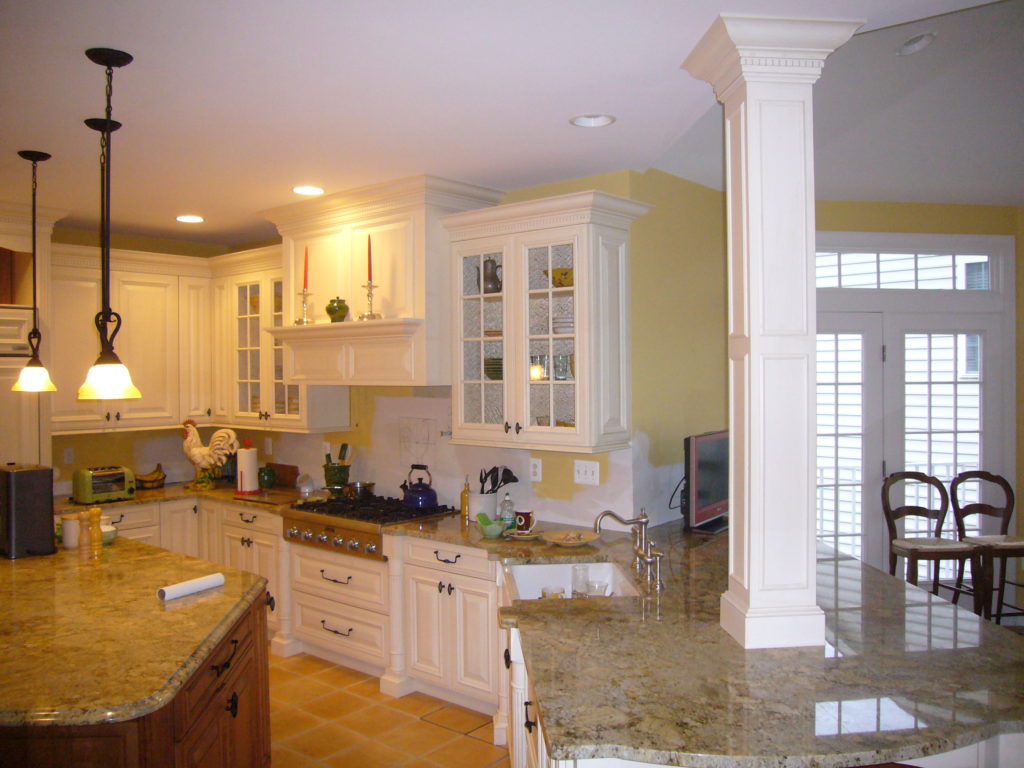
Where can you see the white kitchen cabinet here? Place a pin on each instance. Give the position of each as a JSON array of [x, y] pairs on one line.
[[250, 540], [147, 344], [451, 630], [541, 323], [179, 526], [252, 375], [140, 522], [196, 338]]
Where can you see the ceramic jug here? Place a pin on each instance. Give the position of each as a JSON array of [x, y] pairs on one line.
[[492, 276], [337, 309]]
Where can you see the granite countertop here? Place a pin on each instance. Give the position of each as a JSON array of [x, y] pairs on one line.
[[89, 641], [276, 500], [904, 674]]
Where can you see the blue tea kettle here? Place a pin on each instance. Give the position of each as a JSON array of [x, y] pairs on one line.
[[419, 495]]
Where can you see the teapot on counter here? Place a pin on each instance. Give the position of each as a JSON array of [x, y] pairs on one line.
[[419, 495]]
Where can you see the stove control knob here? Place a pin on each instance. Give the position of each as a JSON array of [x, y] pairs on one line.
[[353, 545], [339, 541], [371, 549], [307, 535], [323, 538], [292, 533]]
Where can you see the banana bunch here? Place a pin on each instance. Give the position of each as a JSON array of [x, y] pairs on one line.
[[154, 479]]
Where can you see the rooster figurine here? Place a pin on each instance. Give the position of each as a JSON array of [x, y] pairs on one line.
[[223, 443]]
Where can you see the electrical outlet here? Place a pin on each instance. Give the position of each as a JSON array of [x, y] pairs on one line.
[[535, 470], [587, 472], [69, 455], [268, 446]]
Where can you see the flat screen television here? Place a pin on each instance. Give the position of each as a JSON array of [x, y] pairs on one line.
[[705, 496]]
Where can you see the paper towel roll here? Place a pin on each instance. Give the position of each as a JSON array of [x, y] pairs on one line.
[[248, 480], [190, 587]]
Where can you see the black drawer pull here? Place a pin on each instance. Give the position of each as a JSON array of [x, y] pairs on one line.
[[271, 602], [451, 588], [223, 667], [508, 659], [444, 560], [507, 427], [325, 577], [323, 623], [232, 706], [528, 722], [440, 587], [115, 522], [519, 427], [251, 520], [195, 509]]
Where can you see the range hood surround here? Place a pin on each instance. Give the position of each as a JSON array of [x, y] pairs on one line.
[[410, 346]]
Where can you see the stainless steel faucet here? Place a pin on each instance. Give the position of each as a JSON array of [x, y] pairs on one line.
[[646, 559]]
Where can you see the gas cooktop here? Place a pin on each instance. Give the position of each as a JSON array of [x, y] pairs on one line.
[[373, 509]]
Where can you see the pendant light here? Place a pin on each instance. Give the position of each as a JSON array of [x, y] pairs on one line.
[[108, 379], [34, 377]]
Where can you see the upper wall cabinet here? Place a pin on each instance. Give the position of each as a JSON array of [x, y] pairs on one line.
[[410, 344], [541, 323], [249, 364]]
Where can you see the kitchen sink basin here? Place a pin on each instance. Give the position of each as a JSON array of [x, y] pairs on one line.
[[527, 582]]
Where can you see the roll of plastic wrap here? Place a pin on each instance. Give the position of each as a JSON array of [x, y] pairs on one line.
[[247, 479], [182, 588]]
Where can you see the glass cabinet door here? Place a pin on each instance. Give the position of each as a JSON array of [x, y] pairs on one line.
[[247, 347], [286, 396], [483, 339], [550, 369]]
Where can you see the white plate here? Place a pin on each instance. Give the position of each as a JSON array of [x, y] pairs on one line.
[[569, 538]]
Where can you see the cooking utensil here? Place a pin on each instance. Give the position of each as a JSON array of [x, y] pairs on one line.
[[419, 495], [358, 490], [491, 476], [507, 477]]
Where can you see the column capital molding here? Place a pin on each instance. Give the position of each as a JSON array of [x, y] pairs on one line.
[[756, 49]]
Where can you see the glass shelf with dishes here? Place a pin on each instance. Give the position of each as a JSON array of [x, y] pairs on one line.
[[552, 339], [483, 348]]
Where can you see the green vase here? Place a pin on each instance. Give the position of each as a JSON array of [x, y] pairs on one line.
[[337, 309], [266, 476]]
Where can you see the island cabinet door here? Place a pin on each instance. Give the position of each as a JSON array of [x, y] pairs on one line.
[[424, 623]]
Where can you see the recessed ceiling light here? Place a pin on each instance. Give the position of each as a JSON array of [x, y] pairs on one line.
[[190, 219], [592, 121], [916, 43], [307, 190]]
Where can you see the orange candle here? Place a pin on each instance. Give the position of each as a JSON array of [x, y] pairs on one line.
[[305, 271], [369, 260]]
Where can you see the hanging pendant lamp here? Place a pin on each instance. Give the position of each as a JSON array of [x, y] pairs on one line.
[[108, 379], [34, 377]]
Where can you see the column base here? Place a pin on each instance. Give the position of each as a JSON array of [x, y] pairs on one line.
[[396, 686], [788, 627]]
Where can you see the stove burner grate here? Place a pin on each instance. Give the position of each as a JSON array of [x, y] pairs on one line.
[[375, 509]]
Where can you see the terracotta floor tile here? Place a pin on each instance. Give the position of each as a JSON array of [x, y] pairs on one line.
[[369, 754], [282, 757], [485, 732], [503, 763], [370, 689], [417, 762], [465, 752], [304, 664], [374, 720], [324, 741], [419, 737], [300, 690], [335, 705], [290, 721], [417, 704], [279, 675], [341, 677], [457, 718]]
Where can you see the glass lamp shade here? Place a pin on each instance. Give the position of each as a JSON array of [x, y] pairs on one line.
[[34, 378], [108, 379]]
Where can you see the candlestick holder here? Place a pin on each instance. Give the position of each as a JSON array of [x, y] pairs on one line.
[[305, 319], [369, 314]]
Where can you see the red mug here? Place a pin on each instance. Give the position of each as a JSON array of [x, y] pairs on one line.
[[524, 521]]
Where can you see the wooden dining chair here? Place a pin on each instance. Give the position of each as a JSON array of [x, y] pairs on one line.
[[999, 547], [933, 548]]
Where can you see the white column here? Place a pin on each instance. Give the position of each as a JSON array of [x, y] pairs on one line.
[[762, 70]]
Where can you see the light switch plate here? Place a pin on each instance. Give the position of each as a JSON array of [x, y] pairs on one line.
[[535, 470], [587, 472], [268, 446]]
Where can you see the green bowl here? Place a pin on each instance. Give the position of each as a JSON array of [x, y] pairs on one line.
[[109, 534], [492, 531]]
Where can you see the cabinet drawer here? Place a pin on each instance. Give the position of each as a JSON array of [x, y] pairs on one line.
[[252, 519], [341, 578], [465, 560], [343, 629], [212, 675], [126, 518]]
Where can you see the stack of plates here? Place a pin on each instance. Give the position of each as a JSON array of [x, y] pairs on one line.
[[493, 368], [562, 324]]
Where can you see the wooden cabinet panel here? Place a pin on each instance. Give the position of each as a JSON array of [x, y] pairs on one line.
[[343, 578], [179, 526], [340, 628], [475, 626], [424, 623]]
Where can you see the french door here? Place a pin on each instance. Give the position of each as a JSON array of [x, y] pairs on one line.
[[916, 391]]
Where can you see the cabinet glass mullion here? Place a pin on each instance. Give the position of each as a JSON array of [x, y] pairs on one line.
[[483, 347], [247, 347], [551, 352]]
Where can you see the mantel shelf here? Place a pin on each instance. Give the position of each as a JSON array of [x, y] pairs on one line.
[[372, 352]]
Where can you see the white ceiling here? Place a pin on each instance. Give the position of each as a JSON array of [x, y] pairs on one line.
[[230, 103]]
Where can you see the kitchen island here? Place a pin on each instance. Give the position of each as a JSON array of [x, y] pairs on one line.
[[656, 680], [98, 670]]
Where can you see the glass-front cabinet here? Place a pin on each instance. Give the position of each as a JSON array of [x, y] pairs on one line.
[[542, 325]]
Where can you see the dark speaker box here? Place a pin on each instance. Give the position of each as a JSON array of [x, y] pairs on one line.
[[26, 511]]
